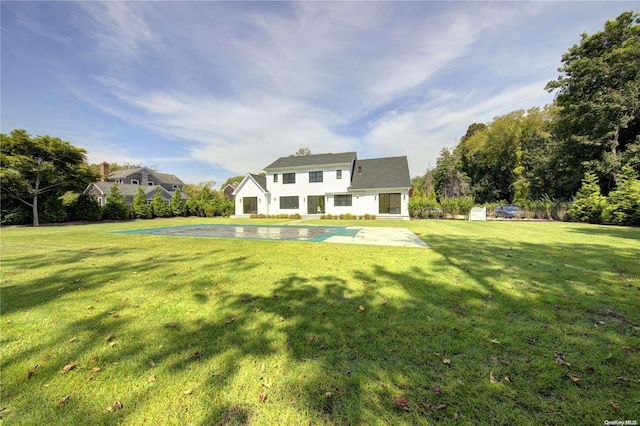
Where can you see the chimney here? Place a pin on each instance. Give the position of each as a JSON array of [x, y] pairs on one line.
[[104, 171]]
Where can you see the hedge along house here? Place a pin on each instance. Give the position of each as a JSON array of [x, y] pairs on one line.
[[328, 184]]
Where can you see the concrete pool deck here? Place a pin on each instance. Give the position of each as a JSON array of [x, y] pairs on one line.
[[397, 237]]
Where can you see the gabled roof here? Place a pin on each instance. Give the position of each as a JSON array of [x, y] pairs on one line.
[[312, 160], [162, 177], [389, 172], [261, 181], [232, 185]]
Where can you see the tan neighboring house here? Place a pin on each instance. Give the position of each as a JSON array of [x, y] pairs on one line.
[[129, 180]]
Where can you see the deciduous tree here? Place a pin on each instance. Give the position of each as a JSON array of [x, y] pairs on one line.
[[33, 166], [598, 93]]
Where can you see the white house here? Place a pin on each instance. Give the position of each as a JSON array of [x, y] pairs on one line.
[[327, 184]]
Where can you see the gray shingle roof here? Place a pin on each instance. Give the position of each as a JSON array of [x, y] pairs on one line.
[[163, 177], [312, 160], [128, 190], [260, 180], [390, 172]]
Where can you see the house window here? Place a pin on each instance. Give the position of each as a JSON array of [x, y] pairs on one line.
[[315, 177], [342, 200], [99, 201], [338, 174], [288, 178], [275, 177], [150, 183], [135, 182], [174, 186], [390, 203], [359, 170], [287, 203]]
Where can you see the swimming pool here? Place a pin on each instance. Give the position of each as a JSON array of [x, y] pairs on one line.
[[260, 232]]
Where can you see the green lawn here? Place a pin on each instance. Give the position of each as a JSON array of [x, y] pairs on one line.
[[498, 323]]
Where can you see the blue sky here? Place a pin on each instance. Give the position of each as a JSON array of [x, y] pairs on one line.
[[209, 90]]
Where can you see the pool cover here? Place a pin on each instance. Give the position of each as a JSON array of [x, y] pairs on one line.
[[260, 232]]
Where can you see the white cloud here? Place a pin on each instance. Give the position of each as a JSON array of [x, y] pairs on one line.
[[421, 133]]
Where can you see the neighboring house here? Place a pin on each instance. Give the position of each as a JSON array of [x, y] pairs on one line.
[[129, 180], [229, 189], [328, 184]]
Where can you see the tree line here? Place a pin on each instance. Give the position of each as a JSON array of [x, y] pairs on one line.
[[42, 180], [588, 138]]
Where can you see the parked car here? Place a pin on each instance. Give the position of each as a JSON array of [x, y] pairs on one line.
[[508, 212]]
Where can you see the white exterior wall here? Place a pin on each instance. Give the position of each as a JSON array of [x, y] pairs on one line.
[[303, 188], [250, 189], [363, 201]]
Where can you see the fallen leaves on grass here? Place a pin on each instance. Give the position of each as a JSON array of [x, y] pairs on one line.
[[171, 325], [31, 371], [495, 341], [113, 343], [497, 360], [361, 307], [188, 392], [614, 404], [442, 406], [560, 359], [436, 389], [384, 302], [46, 358], [96, 369], [328, 395], [573, 377], [262, 397], [230, 320], [68, 367], [620, 378], [73, 339], [402, 403], [492, 378], [197, 355], [152, 378], [109, 336], [64, 399], [446, 361], [627, 348]]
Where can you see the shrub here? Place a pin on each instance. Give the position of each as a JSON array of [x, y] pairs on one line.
[[15, 214], [139, 208], [367, 216], [178, 206], [588, 203], [623, 204], [84, 207], [329, 216], [115, 207]]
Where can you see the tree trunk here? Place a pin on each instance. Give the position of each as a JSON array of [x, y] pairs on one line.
[[34, 205], [34, 209]]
